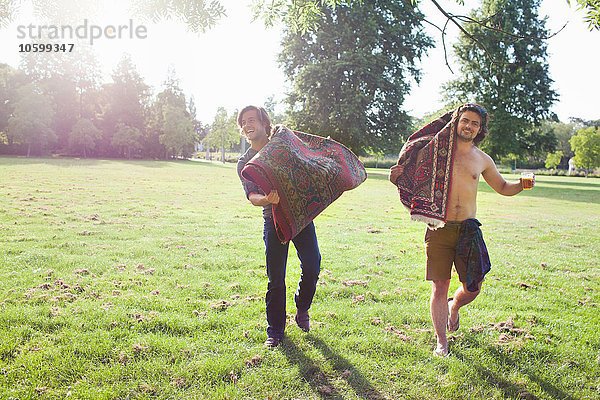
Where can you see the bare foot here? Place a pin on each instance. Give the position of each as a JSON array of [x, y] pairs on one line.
[[441, 351], [453, 317]]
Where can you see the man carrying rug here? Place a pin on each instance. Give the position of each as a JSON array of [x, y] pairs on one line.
[[437, 176], [255, 125]]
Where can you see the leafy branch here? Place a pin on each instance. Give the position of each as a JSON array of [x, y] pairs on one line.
[[592, 12], [459, 20]]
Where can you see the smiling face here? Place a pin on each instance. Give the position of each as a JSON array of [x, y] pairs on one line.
[[468, 125], [252, 128]]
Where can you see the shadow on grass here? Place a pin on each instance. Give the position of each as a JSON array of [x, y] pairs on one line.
[[555, 193], [320, 383], [510, 389], [558, 190], [79, 162], [83, 162], [57, 161], [380, 175], [165, 163], [588, 183]]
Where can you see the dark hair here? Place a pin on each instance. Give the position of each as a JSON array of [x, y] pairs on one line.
[[263, 117], [483, 114]]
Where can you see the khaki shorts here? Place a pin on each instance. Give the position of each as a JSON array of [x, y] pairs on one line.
[[440, 247]]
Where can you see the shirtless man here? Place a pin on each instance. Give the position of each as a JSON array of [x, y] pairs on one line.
[[469, 163]]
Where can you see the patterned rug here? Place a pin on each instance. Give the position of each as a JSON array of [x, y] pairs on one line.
[[309, 173], [425, 181]]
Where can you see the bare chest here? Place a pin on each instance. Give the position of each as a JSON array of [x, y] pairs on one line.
[[463, 194], [466, 171]]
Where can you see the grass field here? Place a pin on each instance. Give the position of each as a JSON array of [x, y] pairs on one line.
[[139, 280]]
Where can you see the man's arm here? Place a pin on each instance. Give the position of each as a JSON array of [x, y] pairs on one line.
[[252, 190], [497, 182], [395, 173], [258, 199]]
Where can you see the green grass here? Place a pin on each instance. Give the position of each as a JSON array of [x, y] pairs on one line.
[[136, 280]]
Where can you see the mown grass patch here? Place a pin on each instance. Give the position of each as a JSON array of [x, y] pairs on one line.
[[146, 280]]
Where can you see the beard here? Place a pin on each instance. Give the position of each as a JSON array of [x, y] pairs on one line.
[[467, 136]]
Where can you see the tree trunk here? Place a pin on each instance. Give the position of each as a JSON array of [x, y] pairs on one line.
[[81, 106], [28, 149]]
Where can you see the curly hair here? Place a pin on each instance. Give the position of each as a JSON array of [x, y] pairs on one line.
[[483, 114]]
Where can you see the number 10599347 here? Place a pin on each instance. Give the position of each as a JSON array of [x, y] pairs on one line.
[[46, 47]]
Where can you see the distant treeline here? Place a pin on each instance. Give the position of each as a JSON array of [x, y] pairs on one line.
[[58, 107]]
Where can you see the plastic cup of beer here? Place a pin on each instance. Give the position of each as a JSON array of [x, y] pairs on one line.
[[527, 180]]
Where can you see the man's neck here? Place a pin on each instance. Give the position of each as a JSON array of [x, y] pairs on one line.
[[464, 146], [259, 143]]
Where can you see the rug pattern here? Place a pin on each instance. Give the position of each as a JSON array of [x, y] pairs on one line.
[[309, 172], [427, 158]]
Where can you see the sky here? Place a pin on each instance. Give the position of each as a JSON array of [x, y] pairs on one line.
[[235, 63]]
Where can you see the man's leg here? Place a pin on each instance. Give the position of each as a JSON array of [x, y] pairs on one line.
[[462, 297], [307, 248], [276, 254], [439, 314], [440, 249]]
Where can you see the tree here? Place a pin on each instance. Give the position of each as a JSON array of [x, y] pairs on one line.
[[128, 101], [198, 15], [80, 67], [585, 123], [127, 139], [553, 135], [350, 76], [536, 141], [170, 96], [11, 81], [586, 145], [178, 132], [553, 159], [270, 106], [563, 133], [67, 77], [85, 72], [31, 120], [511, 78], [302, 15], [63, 78], [191, 108], [6, 72], [223, 132], [61, 91], [84, 136]]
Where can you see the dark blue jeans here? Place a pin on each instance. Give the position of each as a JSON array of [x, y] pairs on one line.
[[307, 249]]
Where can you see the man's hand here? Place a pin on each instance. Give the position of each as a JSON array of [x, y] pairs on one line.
[[273, 197], [533, 182], [527, 182], [395, 173], [262, 200]]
